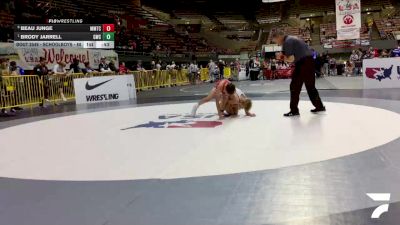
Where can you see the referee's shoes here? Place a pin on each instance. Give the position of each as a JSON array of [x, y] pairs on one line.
[[316, 110]]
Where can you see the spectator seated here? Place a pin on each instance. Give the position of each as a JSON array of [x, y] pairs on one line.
[[328, 33], [304, 34], [387, 27]]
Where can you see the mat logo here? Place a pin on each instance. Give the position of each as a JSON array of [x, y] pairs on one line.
[[379, 73], [181, 121], [380, 197]]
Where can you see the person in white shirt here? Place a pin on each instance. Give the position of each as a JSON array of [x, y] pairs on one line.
[[60, 72], [193, 70], [211, 68], [254, 69], [172, 66], [59, 68], [332, 67], [354, 60], [158, 65]]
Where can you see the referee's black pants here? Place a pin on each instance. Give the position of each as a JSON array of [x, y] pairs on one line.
[[304, 72]]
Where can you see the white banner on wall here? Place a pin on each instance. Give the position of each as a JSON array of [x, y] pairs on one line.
[[348, 34], [104, 89], [28, 58], [381, 73], [272, 48], [348, 19], [228, 56]]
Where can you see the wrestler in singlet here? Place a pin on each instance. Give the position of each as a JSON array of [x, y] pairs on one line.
[[220, 92], [221, 85]]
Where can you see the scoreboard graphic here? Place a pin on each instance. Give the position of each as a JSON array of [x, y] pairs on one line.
[[94, 36]]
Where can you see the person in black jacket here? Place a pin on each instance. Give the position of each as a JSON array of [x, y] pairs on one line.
[[3, 72], [41, 68], [75, 66], [42, 71], [112, 67], [221, 66]]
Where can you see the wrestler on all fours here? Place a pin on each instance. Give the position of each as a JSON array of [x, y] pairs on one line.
[[236, 102], [228, 100], [220, 93]]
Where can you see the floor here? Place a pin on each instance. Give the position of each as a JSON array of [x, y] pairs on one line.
[[128, 163]]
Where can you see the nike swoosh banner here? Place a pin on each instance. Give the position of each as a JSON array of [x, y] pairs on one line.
[[348, 19], [104, 89]]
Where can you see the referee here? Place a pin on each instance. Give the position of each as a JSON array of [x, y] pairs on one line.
[[297, 51]]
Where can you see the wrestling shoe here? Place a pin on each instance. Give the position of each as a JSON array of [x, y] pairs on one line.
[[194, 110], [316, 110], [291, 114]]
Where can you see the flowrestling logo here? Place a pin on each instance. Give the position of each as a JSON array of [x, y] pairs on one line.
[[381, 73], [380, 197], [181, 121]]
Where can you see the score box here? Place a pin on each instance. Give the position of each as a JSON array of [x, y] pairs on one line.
[[105, 44], [108, 36], [108, 28]]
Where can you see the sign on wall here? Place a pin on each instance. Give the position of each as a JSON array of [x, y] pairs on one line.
[[272, 48], [28, 58], [104, 89], [346, 44], [348, 19], [381, 73]]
